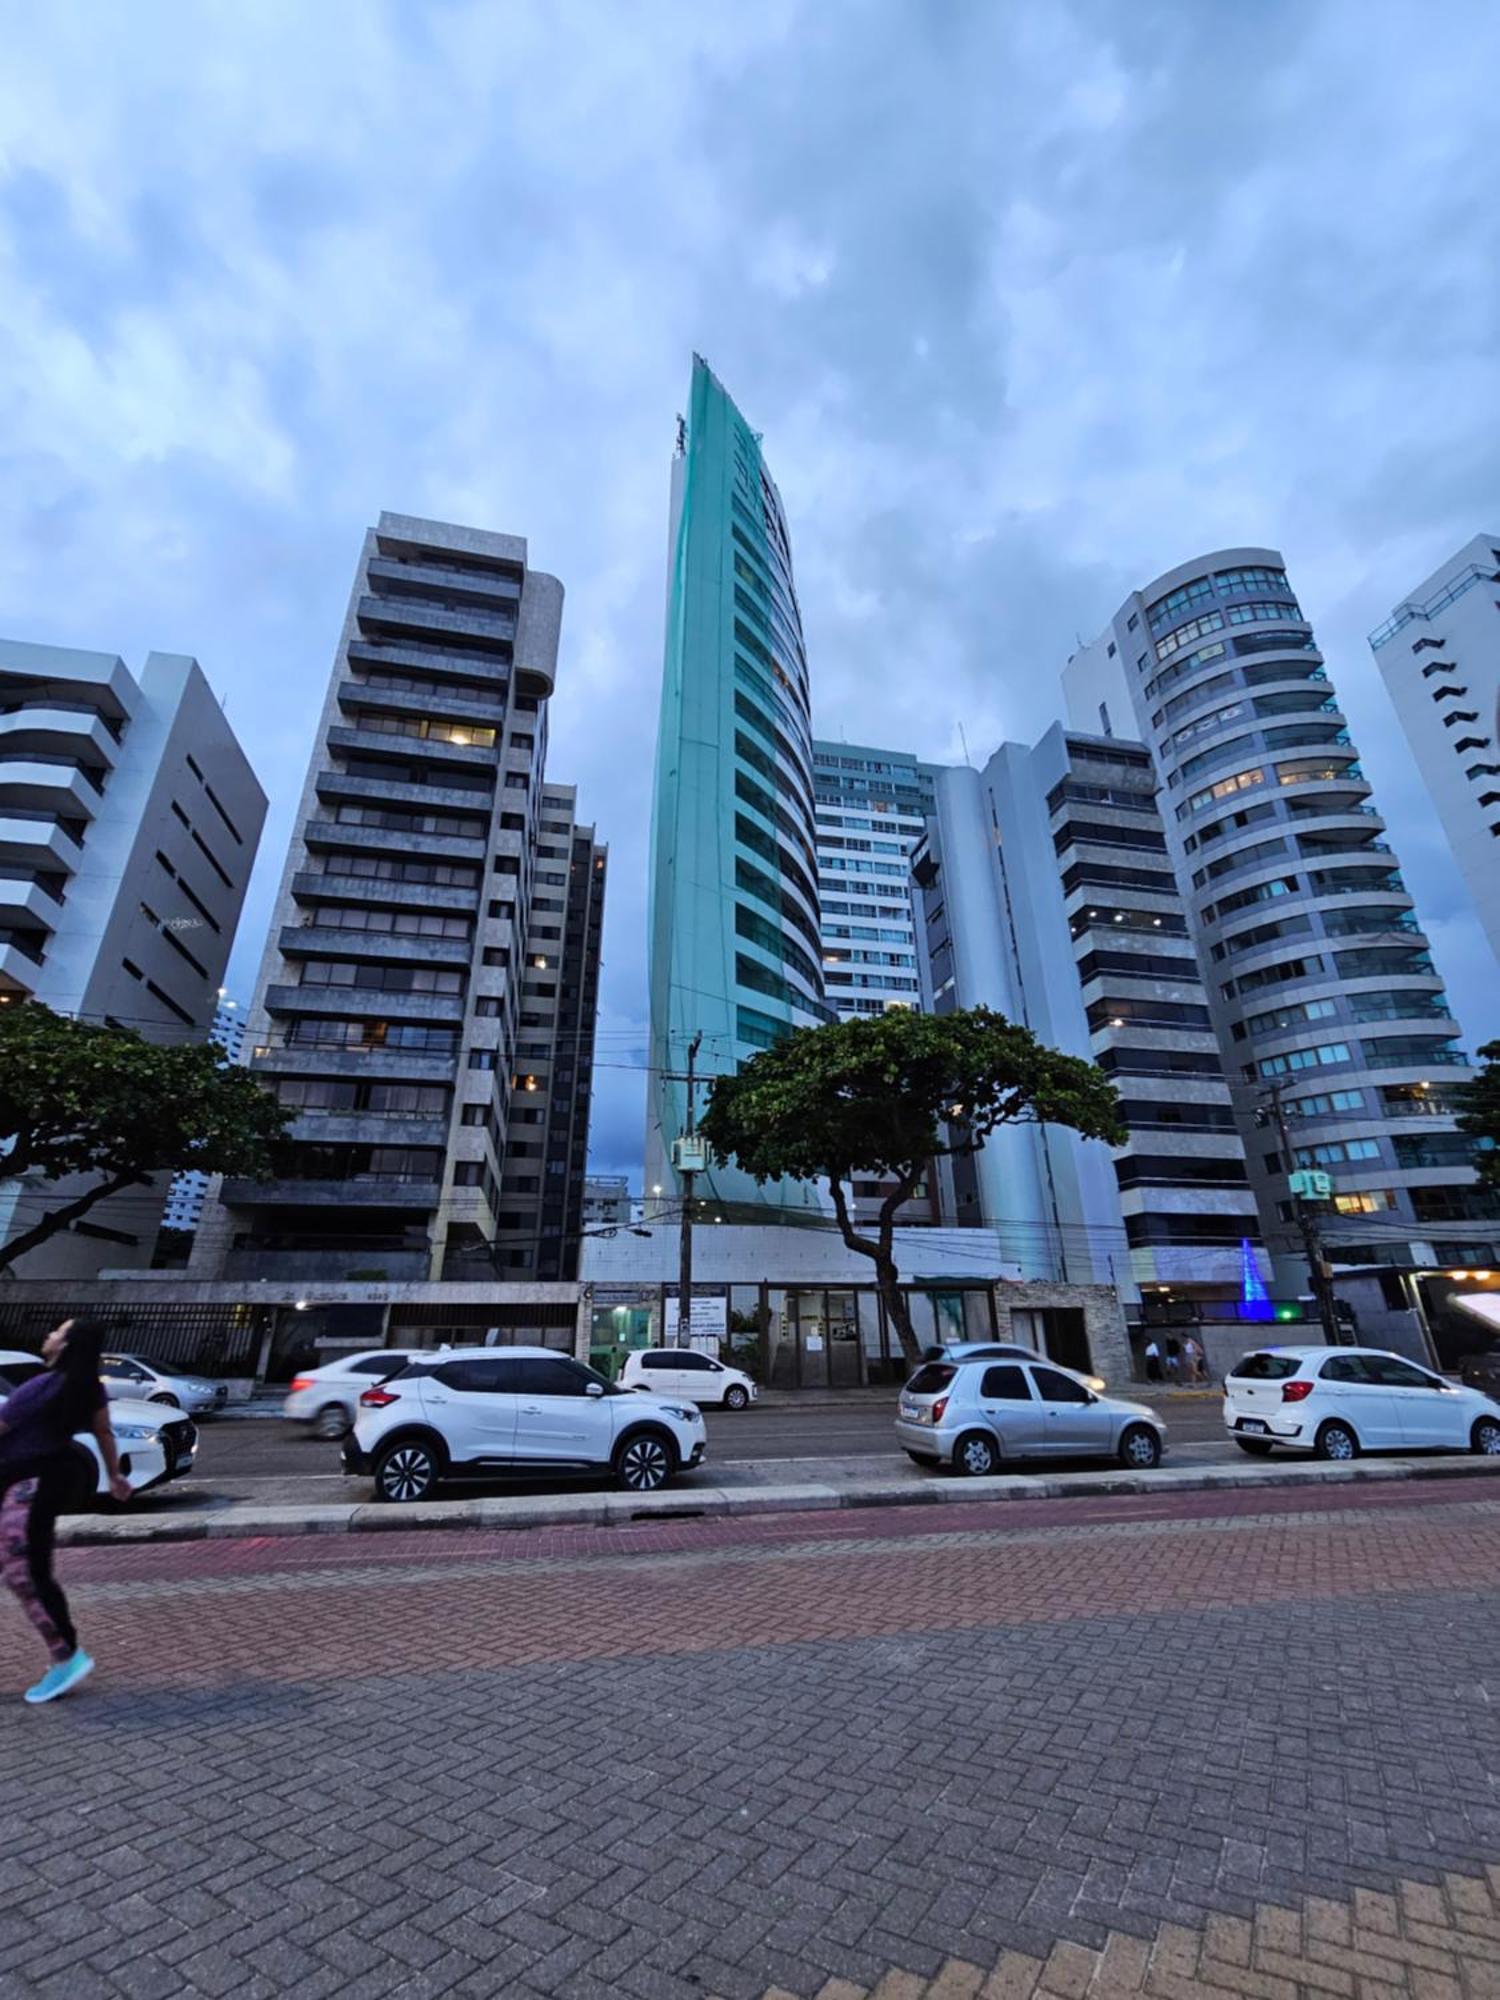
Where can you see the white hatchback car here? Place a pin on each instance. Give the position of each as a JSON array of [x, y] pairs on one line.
[[327, 1398], [681, 1371], [143, 1382], [472, 1412], [1336, 1402], [155, 1444]]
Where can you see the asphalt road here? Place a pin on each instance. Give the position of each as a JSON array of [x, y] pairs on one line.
[[277, 1463]]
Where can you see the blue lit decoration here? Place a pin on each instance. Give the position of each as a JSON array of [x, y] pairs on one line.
[[1255, 1300]]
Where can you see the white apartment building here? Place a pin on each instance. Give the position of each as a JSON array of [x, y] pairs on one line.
[[1439, 656]]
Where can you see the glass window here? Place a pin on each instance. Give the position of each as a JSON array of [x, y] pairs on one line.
[[1266, 1367], [1393, 1373], [559, 1377], [1345, 1368], [1054, 1387], [1005, 1385], [480, 1376], [378, 1364], [930, 1379]]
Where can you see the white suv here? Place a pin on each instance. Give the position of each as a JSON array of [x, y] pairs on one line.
[[470, 1412], [681, 1371], [1339, 1401]]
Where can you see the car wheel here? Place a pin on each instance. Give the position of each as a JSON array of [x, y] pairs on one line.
[[1336, 1441], [644, 1462], [165, 1396], [1140, 1448], [1257, 1447], [332, 1421], [735, 1397], [976, 1455], [1485, 1437], [407, 1470]]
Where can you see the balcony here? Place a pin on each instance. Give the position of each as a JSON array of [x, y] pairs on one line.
[[308, 886], [27, 906], [61, 732], [484, 707], [373, 1065], [328, 1266], [356, 1193], [374, 1002], [327, 834], [411, 618], [368, 1128], [352, 742], [482, 587], [392, 791], [331, 941], [442, 664], [40, 786]]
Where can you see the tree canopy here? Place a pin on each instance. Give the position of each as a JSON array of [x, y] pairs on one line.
[[886, 1096], [80, 1100], [1479, 1116]]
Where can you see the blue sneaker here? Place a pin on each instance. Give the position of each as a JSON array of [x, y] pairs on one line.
[[57, 1680]]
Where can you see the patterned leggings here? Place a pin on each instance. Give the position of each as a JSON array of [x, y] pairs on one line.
[[27, 1519]]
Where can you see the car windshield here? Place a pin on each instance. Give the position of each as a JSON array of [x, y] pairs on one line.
[[1267, 1367], [930, 1379]]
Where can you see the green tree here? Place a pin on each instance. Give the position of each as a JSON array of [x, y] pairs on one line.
[[1479, 1115], [888, 1095], [80, 1101]]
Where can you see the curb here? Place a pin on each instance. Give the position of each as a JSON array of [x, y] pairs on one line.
[[619, 1510]]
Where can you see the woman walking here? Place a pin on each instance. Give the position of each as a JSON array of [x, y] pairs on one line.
[[37, 1422]]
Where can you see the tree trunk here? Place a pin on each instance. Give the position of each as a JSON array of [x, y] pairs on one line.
[[59, 1219], [879, 1249]]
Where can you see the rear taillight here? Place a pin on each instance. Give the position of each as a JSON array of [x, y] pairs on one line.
[[938, 1408], [302, 1382], [379, 1398], [1293, 1392]]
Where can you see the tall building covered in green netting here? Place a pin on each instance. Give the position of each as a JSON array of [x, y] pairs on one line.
[[736, 950]]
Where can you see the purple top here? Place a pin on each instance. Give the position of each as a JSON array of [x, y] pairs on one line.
[[36, 1423]]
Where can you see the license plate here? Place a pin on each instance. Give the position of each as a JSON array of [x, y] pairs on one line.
[[1251, 1424], [913, 1413]]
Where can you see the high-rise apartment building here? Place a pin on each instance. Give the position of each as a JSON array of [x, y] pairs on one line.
[[1439, 655], [189, 1191], [425, 1002], [872, 808], [1047, 894], [736, 948], [129, 821], [1318, 977]]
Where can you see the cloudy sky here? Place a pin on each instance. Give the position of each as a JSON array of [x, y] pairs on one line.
[[1031, 301]]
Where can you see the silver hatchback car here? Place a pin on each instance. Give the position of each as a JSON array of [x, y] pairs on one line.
[[975, 1414]]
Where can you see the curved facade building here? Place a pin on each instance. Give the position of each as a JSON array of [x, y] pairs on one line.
[[1318, 974], [736, 949]]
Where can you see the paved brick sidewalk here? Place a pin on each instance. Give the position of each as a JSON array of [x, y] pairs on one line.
[[1222, 1746]]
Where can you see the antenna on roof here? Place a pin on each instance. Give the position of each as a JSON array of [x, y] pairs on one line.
[[965, 742]]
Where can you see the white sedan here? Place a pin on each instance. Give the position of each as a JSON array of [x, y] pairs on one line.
[[155, 1444], [1336, 1402], [682, 1371], [143, 1382]]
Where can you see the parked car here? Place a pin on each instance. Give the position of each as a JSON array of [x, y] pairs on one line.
[[472, 1412], [155, 1443], [681, 1371], [974, 1413], [327, 1398], [1336, 1402], [127, 1375], [991, 1350]]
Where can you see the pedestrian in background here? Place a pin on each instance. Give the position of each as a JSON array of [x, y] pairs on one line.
[[37, 1423], [1153, 1360]]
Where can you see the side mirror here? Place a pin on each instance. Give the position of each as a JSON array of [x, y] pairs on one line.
[[593, 1388]]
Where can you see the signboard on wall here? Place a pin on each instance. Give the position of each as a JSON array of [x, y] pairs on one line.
[[708, 1321]]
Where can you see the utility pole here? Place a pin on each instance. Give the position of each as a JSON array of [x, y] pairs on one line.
[[1307, 1224], [685, 1271]]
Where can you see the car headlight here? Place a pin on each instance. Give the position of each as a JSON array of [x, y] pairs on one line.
[[689, 1413], [135, 1433]]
